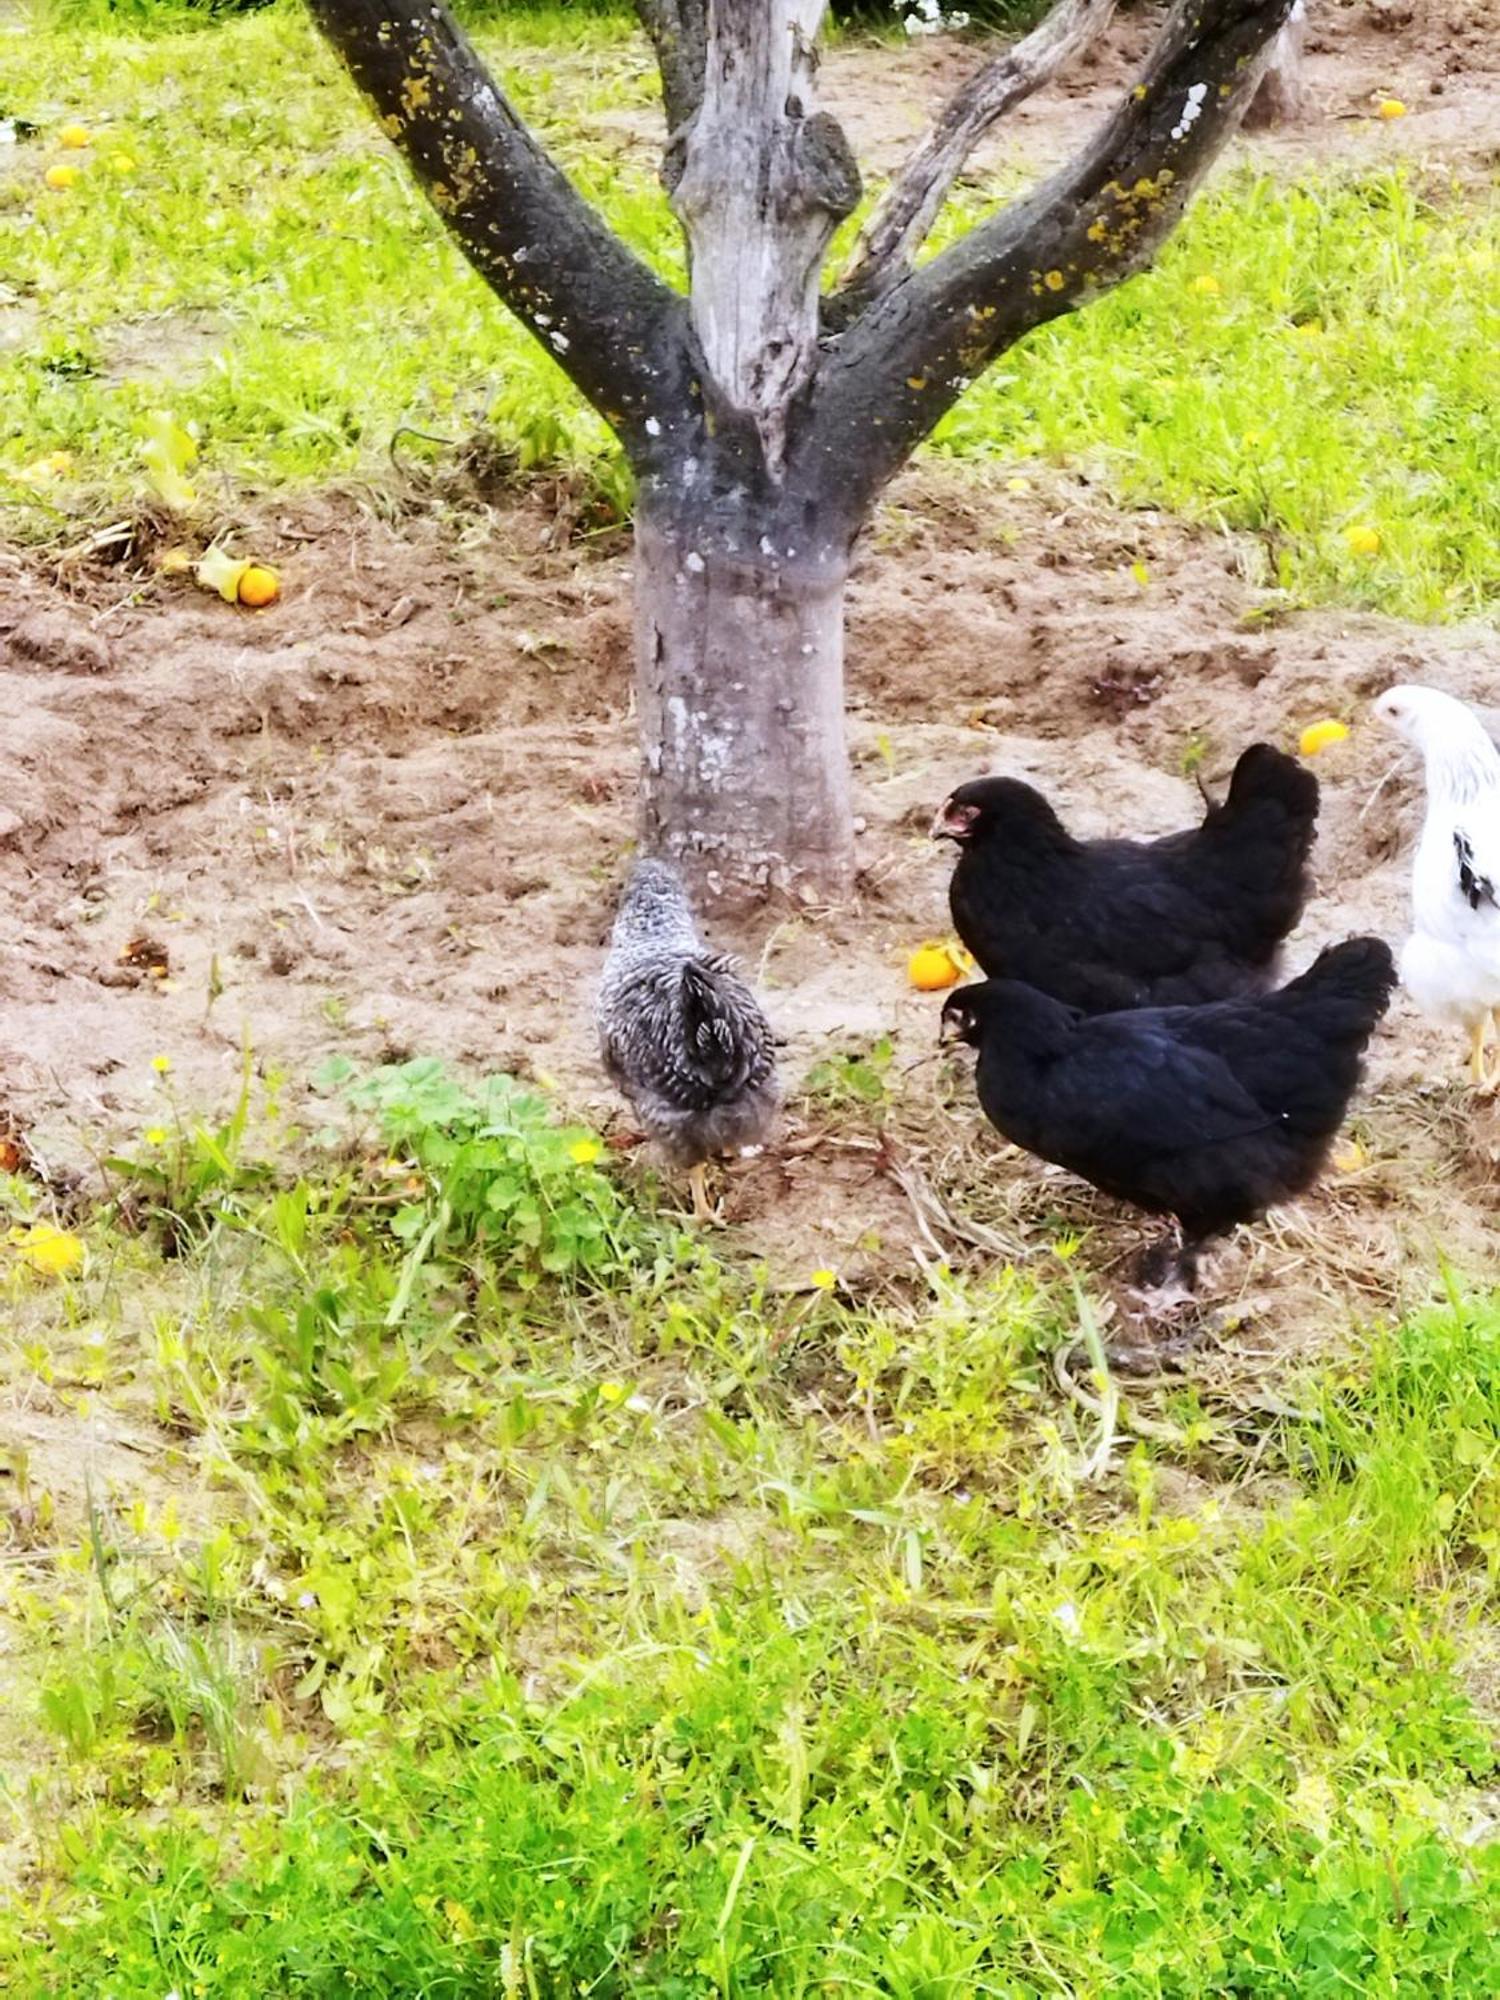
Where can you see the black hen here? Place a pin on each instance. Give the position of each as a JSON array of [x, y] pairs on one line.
[[1209, 1114], [680, 1032], [1106, 924]]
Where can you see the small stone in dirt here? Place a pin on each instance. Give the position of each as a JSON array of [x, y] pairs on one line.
[[53, 639], [282, 958], [147, 954], [1120, 692]]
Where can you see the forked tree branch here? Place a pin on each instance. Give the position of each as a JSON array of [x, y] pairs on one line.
[[620, 333], [909, 207], [887, 381], [679, 35]]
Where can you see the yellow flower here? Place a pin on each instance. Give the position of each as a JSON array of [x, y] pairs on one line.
[[1318, 735], [162, 1065], [1018, 484], [76, 136], [1141, 574], [612, 1392], [584, 1152], [52, 1252], [121, 163], [1206, 282], [825, 1280], [156, 1135], [1363, 540], [1392, 107], [60, 177]]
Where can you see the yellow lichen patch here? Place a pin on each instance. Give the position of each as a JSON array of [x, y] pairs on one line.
[[916, 381], [1054, 281], [416, 95], [1139, 93], [463, 163], [1097, 231]]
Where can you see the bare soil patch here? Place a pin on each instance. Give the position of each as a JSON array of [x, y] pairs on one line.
[[1439, 58], [387, 816]]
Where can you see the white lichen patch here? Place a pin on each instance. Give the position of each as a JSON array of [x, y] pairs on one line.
[[1192, 110]]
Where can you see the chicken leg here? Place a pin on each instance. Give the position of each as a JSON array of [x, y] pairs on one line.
[[703, 1208], [1479, 1036]]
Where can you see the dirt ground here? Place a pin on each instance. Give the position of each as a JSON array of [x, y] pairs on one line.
[[386, 816]]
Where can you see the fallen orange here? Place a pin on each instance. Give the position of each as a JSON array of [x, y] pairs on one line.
[[932, 966], [259, 586]]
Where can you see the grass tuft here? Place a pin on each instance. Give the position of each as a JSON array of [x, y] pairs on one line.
[[1311, 364], [502, 1631]]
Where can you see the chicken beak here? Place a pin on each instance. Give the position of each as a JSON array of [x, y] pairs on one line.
[[952, 822]]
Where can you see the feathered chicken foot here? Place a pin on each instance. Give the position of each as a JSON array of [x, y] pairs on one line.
[[1165, 1276]]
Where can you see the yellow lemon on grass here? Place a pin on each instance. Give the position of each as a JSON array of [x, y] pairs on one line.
[[60, 177], [75, 136], [932, 966], [1319, 735], [258, 586], [1363, 540]]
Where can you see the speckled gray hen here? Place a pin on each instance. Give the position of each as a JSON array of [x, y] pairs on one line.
[[681, 1034]]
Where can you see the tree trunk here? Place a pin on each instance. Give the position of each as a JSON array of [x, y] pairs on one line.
[[761, 418], [740, 679]]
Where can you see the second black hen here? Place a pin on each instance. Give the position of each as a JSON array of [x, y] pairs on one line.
[[1209, 1114], [1106, 924]]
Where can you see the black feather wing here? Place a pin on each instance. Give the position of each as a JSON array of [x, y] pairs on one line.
[[1128, 1093], [1474, 885], [1191, 917], [1114, 925], [689, 1032], [727, 1037]]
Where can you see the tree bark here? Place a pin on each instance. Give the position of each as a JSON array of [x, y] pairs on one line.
[[767, 177], [760, 433], [886, 381], [907, 210], [740, 696]]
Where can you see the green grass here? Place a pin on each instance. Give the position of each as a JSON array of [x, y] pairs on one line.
[[542, 1605], [249, 272]]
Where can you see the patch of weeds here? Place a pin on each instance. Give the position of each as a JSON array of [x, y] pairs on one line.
[[489, 1168], [192, 1176], [644, 1629], [853, 1078]]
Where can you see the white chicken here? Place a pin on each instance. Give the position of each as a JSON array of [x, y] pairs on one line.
[[1450, 964]]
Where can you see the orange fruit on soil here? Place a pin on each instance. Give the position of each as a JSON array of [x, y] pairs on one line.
[[259, 586], [931, 967]]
